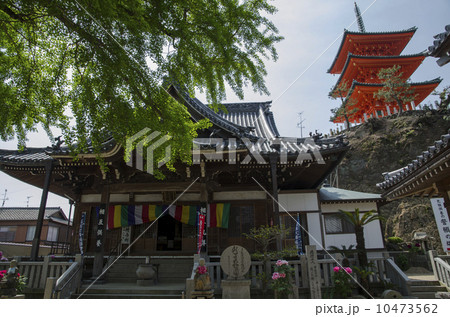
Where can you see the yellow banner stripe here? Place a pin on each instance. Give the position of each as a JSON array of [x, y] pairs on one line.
[[185, 214], [151, 212], [219, 214], [117, 216]]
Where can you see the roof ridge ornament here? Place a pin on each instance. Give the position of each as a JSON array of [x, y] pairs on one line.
[[361, 27]]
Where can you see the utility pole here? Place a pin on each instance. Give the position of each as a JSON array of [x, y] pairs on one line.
[[4, 198], [300, 123]]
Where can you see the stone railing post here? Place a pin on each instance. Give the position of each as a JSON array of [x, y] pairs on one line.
[[431, 255], [44, 271], [49, 287]]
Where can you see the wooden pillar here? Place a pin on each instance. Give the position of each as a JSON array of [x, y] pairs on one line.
[[273, 158], [443, 191], [40, 221], [100, 249]]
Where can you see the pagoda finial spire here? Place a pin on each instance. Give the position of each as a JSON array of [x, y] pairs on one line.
[[359, 19]]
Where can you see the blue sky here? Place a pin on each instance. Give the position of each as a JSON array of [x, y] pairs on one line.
[[313, 32]]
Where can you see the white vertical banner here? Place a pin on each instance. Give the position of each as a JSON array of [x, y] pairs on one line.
[[126, 235], [442, 221]]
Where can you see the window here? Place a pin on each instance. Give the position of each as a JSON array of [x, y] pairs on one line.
[[30, 233], [241, 220], [8, 233], [335, 224], [52, 234]]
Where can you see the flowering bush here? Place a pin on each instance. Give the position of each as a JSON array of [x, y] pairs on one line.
[[342, 282], [17, 281], [281, 279]]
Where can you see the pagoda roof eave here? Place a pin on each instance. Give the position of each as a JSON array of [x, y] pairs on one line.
[[351, 56], [347, 32], [375, 87]]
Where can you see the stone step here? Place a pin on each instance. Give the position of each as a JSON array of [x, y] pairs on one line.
[[130, 291], [434, 289], [426, 283], [424, 295], [128, 296]]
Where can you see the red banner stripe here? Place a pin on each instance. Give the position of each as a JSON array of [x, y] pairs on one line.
[[178, 213], [145, 218], [111, 217], [212, 215]]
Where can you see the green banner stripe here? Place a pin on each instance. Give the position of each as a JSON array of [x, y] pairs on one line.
[[226, 215]]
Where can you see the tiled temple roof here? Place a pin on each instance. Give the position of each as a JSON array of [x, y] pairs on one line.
[[395, 177], [28, 155], [441, 46], [256, 122], [32, 156]]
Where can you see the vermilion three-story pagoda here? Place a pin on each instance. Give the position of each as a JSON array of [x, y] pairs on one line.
[[361, 56]]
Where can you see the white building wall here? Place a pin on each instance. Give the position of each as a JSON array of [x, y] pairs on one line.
[[298, 202], [372, 231], [314, 229]]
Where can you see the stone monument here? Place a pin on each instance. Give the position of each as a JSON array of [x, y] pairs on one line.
[[235, 261], [313, 272]]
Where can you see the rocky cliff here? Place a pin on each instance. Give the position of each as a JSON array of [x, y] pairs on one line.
[[386, 144]]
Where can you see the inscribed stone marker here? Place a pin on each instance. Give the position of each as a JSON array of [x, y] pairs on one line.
[[235, 262]]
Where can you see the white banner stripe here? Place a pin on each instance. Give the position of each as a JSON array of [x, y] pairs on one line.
[[138, 215]]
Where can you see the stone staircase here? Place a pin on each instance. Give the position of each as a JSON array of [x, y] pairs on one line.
[[426, 289], [120, 281], [130, 291]]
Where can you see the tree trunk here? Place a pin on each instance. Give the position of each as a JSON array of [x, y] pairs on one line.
[[361, 246], [400, 107], [347, 122]]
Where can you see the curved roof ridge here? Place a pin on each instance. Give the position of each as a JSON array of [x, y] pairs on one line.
[[433, 151]]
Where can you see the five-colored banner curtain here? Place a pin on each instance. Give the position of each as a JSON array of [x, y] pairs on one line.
[[128, 215]]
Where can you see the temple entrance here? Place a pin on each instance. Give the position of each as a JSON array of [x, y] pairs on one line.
[[169, 234]]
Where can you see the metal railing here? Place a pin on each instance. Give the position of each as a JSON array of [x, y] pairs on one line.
[[69, 282]]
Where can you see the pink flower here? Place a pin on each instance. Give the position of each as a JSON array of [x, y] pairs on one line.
[[281, 262], [417, 245], [336, 269], [348, 270], [202, 269], [283, 275], [275, 276]]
